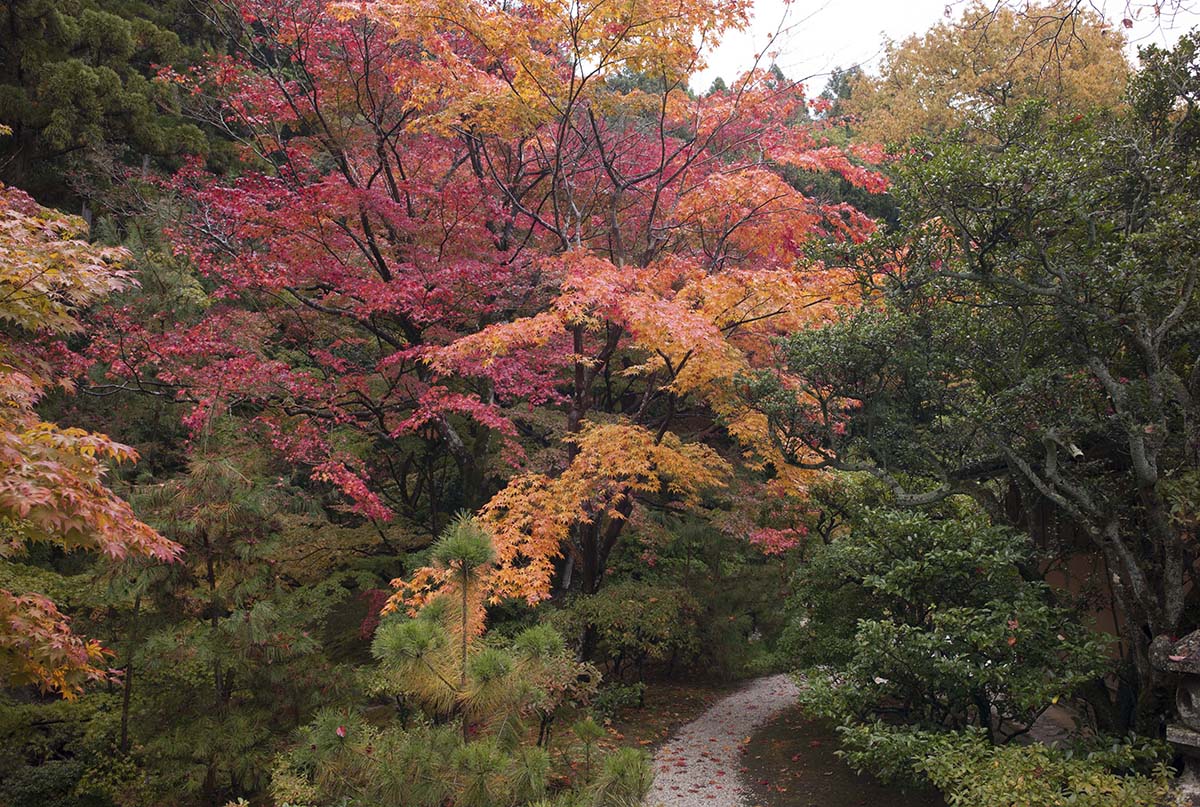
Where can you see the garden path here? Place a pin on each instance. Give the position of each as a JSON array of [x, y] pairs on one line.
[[700, 766]]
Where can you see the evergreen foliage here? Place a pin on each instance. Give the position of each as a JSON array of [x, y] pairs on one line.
[[930, 616], [77, 87]]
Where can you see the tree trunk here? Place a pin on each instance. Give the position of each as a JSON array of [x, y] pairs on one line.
[[127, 684]]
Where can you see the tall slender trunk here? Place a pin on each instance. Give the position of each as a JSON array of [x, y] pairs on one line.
[[219, 683], [127, 684], [462, 672]]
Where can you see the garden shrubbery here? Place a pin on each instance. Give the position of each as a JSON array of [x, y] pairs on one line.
[[684, 596], [928, 617], [926, 637], [630, 624], [972, 772], [478, 711]]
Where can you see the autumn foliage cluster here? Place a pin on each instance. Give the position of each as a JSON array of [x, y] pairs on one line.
[[460, 262], [431, 257], [52, 482]]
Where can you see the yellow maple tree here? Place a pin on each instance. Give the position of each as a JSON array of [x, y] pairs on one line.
[[989, 58]]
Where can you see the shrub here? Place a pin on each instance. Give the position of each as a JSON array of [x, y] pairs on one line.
[[341, 759], [443, 661], [589, 733], [631, 623], [625, 779], [971, 772], [553, 680], [737, 587], [929, 616], [49, 783], [610, 700]]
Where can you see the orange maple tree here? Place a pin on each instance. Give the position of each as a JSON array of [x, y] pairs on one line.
[[52, 478]]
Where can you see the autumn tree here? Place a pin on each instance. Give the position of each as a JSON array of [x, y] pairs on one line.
[[458, 261], [992, 57], [674, 255], [213, 668], [321, 317], [676, 247], [52, 479]]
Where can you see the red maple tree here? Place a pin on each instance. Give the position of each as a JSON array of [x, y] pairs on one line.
[[501, 257]]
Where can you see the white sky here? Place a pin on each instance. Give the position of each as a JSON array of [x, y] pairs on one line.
[[818, 35]]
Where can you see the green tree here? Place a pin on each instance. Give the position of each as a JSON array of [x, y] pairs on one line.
[[76, 86], [443, 663], [225, 652], [839, 89], [1031, 331], [439, 658], [928, 614]]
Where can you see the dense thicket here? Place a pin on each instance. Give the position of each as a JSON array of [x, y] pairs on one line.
[[1030, 334]]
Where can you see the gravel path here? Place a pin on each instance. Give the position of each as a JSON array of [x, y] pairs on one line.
[[699, 766]]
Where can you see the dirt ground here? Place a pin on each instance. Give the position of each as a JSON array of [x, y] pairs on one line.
[[791, 762]]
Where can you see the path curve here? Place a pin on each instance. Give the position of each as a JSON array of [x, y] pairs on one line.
[[699, 766]]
